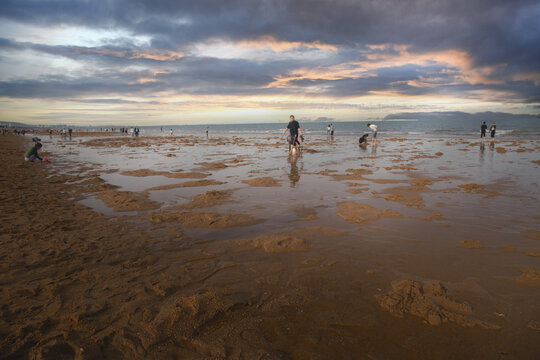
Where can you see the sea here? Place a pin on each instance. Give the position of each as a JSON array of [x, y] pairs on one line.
[[423, 128]]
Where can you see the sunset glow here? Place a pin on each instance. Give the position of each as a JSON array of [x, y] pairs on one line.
[[176, 64]]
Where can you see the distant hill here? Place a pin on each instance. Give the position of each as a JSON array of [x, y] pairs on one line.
[[459, 115], [13, 124], [23, 125]]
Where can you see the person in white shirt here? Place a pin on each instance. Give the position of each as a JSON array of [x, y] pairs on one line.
[[374, 128]]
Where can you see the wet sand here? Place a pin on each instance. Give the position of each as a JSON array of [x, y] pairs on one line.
[[227, 248]]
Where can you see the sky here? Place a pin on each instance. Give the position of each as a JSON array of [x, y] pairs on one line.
[[152, 62]]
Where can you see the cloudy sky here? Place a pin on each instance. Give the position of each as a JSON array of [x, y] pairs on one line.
[[144, 62]]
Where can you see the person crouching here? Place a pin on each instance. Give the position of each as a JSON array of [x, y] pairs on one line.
[[363, 140], [32, 153]]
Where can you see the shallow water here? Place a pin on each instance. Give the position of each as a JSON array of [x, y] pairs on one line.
[[512, 174], [497, 206]]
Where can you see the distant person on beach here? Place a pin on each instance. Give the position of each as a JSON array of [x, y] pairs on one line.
[[328, 130], [363, 140], [492, 131], [374, 128], [331, 129], [32, 153], [207, 132], [294, 128], [171, 132], [483, 129]]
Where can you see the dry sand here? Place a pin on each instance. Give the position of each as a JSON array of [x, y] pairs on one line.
[[126, 201], [194, 183], [204, 220], [262, 182], [363, 213], [176, 175], [277, 243], [208, 199], [430, 302]]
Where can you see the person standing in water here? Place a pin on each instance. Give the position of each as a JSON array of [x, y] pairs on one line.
[[294, 128], [374, 128], [492, 131], [483, 129]]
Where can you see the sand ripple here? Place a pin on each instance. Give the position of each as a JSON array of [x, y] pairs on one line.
[[121, 201], [208, 199], [174, 175], [429, 301], [205, 220], [362, 213], [277, 243], [262, 182]]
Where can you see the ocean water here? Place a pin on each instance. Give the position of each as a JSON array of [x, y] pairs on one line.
[[467, 129]]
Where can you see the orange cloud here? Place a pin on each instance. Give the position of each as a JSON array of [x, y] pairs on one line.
[[535, 77], [281, 46], [151, 78], [378, 57], [159, 56]]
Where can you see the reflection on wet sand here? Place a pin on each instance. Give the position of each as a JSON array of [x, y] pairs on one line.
[[481, 153], [295, 171]]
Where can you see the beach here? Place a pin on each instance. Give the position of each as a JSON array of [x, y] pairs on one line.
[[227, 247]]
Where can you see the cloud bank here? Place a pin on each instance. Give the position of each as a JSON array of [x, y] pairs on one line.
[[348, 57]]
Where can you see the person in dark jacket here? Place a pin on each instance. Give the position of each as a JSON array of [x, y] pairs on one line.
[[294, 128]]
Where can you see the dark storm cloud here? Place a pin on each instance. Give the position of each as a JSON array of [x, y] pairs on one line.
[[492, 31], [496, 33], [57, 87], [191, 76], [212, 76]]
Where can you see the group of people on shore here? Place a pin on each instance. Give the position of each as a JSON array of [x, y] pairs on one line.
[[295, 135], [483, 129], [330, 129], [131, 132], [295, 132]]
